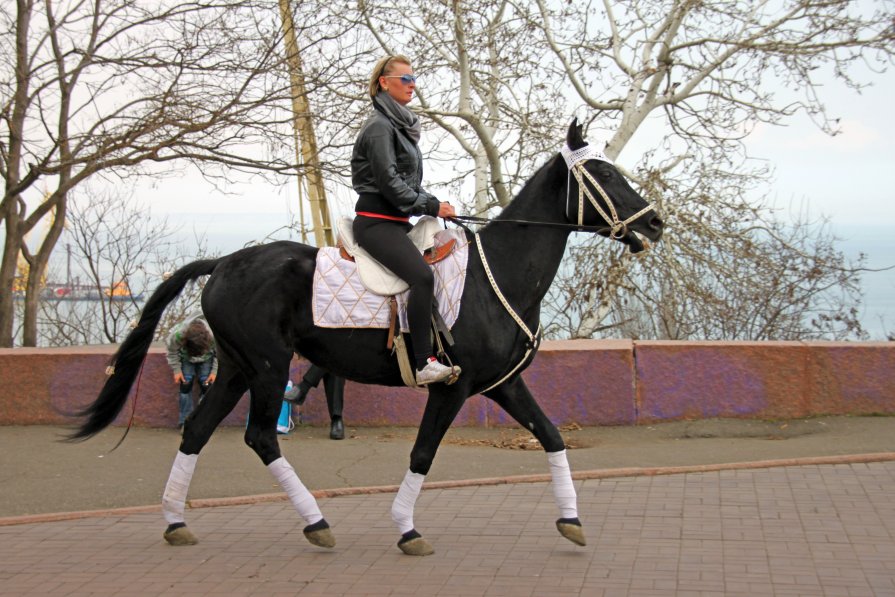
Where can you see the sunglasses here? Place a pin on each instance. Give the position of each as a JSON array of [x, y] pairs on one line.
[[406, 79]]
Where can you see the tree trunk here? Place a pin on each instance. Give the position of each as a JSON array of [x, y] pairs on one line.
[[11, 197], [304, 129], [7, 276], [37, 274]]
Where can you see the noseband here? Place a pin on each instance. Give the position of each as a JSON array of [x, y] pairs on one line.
[[575, 161]]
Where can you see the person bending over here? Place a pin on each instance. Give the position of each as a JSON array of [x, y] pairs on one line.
[[191, 355]]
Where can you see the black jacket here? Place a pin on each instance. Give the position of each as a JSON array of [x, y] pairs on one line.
[[387, 171]]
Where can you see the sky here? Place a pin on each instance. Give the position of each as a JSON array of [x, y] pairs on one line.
[[849, 177]]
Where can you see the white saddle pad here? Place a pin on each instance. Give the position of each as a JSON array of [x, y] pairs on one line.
[[340, 300]]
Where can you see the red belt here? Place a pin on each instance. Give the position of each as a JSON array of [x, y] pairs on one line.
[[369, 214]]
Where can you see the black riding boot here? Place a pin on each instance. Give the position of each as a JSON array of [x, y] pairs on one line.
[[337, 429], [335, 391]]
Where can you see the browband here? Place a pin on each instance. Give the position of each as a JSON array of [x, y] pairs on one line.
[[588, 152]]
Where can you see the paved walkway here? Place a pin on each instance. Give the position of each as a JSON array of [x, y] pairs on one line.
[[809, 529]]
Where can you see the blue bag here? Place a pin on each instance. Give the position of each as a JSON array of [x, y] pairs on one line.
[[284, 423]]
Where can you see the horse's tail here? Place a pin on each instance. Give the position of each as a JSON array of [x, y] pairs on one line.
[[127, 360]]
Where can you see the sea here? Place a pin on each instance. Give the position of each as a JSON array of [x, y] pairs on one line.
[[877, 243]]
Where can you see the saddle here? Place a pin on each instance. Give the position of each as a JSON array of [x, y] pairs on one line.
[[377, 278], [381, 281]]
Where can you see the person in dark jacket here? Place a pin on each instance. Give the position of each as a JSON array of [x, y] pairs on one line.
[[387, 174], [335, 393]]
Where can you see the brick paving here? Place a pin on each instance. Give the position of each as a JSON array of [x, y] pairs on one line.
[[813, 530]]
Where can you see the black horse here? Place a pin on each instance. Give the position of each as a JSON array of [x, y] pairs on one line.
[[258, 304]]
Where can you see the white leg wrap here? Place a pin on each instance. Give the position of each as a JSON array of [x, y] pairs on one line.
[[301, 498], [174, 498], [402, 507], [563, 489]]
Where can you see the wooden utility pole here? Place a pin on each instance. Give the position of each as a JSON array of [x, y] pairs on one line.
[[305, 139]]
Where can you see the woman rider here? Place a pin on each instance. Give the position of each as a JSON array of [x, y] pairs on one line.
[[387, 173]]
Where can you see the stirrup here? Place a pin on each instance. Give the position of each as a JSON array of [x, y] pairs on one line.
[[435, 372]]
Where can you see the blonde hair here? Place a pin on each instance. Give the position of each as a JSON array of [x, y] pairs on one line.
[[383, 67]]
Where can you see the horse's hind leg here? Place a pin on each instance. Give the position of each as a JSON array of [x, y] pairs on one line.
[[515, 398], [261, 435], [217, 404]]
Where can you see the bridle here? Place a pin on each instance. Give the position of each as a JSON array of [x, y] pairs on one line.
[[575, 160]]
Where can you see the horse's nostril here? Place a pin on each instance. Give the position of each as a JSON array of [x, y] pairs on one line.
[[656, 223]]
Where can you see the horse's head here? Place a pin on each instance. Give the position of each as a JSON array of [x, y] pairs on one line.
[[599, 195]]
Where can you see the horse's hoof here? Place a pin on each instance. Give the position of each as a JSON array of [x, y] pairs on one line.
[[413, 544], [320, 534], [178, 534], [570, 528]]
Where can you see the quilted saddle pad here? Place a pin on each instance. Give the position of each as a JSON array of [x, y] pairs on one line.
[[342, 301]]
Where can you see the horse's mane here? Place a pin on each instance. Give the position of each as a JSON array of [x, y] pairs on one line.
[[534, 185]]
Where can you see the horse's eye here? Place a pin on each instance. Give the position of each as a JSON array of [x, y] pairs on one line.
[[605, 174]]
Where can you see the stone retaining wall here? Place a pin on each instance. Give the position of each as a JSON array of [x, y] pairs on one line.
[[589, 382]]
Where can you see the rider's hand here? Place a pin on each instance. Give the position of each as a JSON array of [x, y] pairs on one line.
[[179, 378], [446, 210]]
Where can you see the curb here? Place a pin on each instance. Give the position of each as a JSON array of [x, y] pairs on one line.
[[487, 481]]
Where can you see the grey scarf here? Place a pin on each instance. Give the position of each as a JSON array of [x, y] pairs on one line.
[[403, 118]]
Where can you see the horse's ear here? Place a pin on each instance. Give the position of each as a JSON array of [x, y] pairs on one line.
[[575, 135]]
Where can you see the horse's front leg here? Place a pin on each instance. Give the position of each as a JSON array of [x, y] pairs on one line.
[[442, 407], [515, 398]]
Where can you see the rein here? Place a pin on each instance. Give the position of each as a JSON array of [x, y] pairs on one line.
[[459, 221]]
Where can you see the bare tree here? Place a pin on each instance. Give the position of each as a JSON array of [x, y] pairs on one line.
[[732, 270], [480, 84], [117, 254], [714, 69], [123, 87], [119, 88], [728, 266]]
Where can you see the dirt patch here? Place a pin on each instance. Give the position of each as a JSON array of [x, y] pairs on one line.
[[520, 440]]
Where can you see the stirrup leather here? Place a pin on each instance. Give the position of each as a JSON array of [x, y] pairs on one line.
[[398, 346]]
